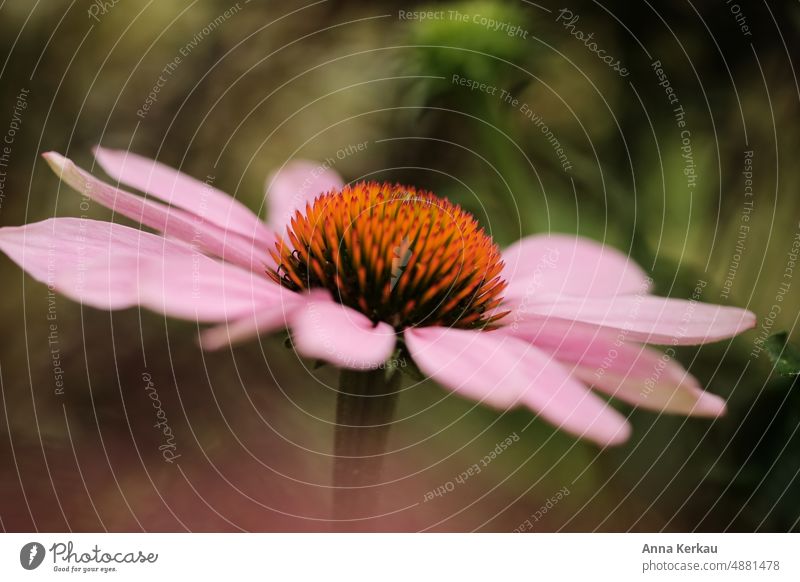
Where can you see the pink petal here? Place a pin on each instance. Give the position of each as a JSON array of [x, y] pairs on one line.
[[562, 264], [295, 184], [631, 372], [326, 330], [178, 189], [258, 323], [110, 266], [505, 371], [173, 222], [645, 319]]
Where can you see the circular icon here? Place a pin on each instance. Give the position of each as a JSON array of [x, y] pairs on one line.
[[31, 555]]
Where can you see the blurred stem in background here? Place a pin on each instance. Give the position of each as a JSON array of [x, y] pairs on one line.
[[365, 409]]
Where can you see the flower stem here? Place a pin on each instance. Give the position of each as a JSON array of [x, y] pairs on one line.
[[364, 412]]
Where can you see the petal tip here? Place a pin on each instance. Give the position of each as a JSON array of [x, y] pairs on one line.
[[102, 154], [209, 341], [616, 437], [746, 320], [56, 161], [709, 405], [53, 156], [750, 320]]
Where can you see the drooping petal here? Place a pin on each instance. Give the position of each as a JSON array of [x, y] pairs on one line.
[[110, 266], [325, 330], [181, 190], [504, 371], [642, 318], [275, 317], [560, 264], [631, 372], [295, 184], [173, 222]]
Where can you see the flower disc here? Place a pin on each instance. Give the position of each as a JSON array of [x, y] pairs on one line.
[[396, 254]]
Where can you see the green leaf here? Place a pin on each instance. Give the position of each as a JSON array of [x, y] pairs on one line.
[[785, 357]]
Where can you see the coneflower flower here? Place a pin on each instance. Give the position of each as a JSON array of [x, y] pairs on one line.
[[357, 271], [533, 325]]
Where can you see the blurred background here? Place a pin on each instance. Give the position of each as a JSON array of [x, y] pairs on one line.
[[677, 144]]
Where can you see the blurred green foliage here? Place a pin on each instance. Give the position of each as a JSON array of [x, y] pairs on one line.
[[786, 357]]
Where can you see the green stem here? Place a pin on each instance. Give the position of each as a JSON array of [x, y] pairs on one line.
[[364, 412]]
